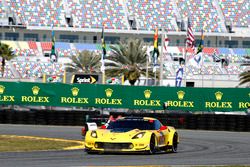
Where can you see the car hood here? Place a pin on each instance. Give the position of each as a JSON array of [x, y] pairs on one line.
[[107, 133]]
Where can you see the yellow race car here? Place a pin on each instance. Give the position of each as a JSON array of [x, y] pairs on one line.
[[132, 134]]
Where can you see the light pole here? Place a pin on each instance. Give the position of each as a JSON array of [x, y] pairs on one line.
[[161, 58], [147, 70]]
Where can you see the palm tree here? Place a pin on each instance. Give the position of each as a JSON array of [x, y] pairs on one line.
[[85, 61], [128, 58], [6, 53], [245, 76]]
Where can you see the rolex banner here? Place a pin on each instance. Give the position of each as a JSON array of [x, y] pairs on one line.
[[117, 96]]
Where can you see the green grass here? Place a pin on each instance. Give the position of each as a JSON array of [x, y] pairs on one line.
[[18, 143], [223, 166]]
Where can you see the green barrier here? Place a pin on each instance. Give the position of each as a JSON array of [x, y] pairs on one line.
[[117, 96]]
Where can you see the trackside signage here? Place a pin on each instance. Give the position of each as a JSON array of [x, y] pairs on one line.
[[117, 96], [85, 79]]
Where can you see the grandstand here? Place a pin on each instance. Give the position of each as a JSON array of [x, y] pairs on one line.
[[26, 26]]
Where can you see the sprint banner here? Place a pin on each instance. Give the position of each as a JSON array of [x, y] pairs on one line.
[[118, 96]]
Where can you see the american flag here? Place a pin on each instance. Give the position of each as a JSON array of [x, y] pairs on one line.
[[190, 37]]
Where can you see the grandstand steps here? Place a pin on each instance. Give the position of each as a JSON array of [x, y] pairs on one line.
[[125, 8], [231, 51], [14, 70], [241, 30], [72, 46], [177, 12], [67, 12], [7, 8], [221, 16], [18, 45], [39, 48]]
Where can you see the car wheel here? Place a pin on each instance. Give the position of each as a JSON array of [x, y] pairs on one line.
[[152, 145], [175, 144], [90, 152]]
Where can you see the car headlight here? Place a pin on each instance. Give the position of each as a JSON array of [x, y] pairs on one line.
[[139, 135], [94, 134]]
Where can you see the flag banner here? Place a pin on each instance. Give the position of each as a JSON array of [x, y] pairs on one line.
[[103, 44], [196, 60], [178, 78], [216, 58], [201, 45], [156, 51], [53, 56], [165, 47], [166, 42], [224, 62], [103, 50], [190, 36]]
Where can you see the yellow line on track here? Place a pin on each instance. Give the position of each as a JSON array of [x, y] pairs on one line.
[[79, 146]]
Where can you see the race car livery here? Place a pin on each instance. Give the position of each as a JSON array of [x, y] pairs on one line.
[[132, 134]]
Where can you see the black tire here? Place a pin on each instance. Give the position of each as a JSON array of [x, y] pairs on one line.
[[152, 145], [91, 152], [175, 144]]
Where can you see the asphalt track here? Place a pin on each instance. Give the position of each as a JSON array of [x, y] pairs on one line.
[[196, 148]]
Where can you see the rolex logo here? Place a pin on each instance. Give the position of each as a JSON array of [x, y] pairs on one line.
[[35, 90], [109, 92], [147, 93], [74, 91], [218, 95], [2, 88], [180, 94]]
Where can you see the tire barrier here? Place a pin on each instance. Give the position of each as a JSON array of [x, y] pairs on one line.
[[45, 117], [79, 118]]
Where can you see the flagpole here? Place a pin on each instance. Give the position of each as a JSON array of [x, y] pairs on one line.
[[202, 59], [155, 77], [202, 75], [189, 42], [103, 72], [185, 58], [213, 75], [161, 58], [155, 53], [103, 69], [147, 70], [185, 64], [103, 55]]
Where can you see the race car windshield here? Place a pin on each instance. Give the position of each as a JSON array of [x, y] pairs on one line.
[[132, 124]]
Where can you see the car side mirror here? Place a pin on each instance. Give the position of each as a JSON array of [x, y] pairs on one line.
[[163, 127]]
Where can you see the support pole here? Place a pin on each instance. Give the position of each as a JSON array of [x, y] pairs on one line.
[[103, 70], [103, 77], [147, 71], [161, 58]]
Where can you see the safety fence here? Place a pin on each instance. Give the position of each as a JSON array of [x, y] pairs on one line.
[[79, 118]]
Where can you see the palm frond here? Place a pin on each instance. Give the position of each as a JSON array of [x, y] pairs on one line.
[[128, 58], [244, 77], [6, 52], [85, 61]]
